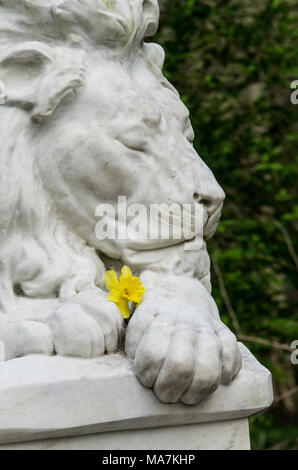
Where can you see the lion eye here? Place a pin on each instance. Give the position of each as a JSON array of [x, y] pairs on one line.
[[133, 142]]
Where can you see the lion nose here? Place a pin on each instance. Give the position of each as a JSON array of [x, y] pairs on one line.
[[211, 197]]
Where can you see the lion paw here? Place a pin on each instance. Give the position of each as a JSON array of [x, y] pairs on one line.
[[75, 333], [86, 326], [23, 338], [180, 348]]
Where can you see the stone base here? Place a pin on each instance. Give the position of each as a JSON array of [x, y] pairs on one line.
[[227, 435], [45, 397]]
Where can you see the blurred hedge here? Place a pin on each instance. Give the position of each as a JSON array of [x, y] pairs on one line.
[[233, 62]]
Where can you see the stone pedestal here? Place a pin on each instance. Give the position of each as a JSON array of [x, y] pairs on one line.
[[67, 403]]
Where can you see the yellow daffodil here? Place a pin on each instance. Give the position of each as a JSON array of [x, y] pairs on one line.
[[129, 288]]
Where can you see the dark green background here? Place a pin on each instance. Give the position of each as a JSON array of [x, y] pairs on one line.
[[233, 62]]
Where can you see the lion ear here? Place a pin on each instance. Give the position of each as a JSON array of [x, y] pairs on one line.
[[36, 79], [20, 69], [151, 16], [154, 54], [54, 88]]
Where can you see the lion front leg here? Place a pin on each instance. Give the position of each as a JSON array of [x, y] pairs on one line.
[[178, 343], [180, 347], [86, 325]]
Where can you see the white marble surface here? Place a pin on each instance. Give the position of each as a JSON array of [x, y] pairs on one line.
[[225, 435], [43, 397], [88, 117]]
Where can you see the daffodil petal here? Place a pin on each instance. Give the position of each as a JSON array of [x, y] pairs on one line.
[[137, 295], [130, 283], [124, 308], [137, 298], [125, 273], [114, 296], [134, 289], [111, 280]]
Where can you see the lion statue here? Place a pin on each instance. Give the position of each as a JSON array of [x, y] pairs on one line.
[[87, 115]]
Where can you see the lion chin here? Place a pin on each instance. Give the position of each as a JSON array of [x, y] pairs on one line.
[[87, 115]]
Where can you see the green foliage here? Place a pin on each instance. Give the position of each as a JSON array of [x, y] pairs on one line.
[[233, 63]]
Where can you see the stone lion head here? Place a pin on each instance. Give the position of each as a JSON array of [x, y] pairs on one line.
[[87, 115]]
